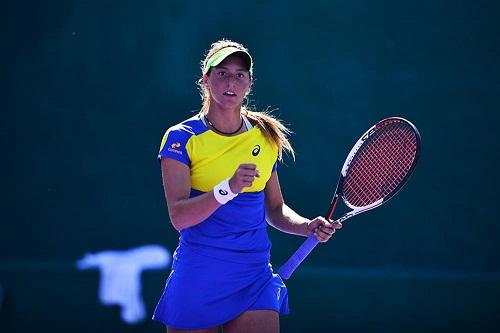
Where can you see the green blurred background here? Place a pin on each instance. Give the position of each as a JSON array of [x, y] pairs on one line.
[[89, 87]]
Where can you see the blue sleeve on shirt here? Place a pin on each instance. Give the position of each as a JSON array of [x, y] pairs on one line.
[[175, 144]]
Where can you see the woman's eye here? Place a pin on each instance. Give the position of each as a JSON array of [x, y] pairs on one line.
[[221, 74], [241, 75]]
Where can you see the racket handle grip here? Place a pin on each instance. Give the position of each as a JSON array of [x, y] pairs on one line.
[[302, 252]]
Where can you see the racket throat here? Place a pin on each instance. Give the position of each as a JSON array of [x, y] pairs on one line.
[[333, 205]]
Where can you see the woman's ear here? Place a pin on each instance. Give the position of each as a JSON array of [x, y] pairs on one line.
[[204, 79]]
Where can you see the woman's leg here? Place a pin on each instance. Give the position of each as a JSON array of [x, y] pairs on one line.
[[258, 321]]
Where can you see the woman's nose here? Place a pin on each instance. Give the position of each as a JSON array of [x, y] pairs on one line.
[[231, 79]]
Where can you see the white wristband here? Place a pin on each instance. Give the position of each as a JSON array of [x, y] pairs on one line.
[[223, 193]]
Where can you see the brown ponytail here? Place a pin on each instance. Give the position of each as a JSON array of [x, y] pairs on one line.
[[273, 130]]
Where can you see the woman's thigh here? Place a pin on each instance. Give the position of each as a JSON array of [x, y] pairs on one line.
[[258, 321]]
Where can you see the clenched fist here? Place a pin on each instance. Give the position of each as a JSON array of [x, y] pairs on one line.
[[243, 177]]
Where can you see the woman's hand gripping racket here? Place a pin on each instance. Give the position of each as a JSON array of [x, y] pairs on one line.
[[377, 167]]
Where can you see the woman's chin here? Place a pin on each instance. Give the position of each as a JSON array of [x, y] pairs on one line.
[[230, 104]]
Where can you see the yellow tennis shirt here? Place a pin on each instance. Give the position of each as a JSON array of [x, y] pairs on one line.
[[236, 231]]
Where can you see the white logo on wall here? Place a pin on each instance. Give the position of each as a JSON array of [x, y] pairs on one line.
[[121, 276]]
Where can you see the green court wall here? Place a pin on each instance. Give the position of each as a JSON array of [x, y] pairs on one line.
[[89, 87]]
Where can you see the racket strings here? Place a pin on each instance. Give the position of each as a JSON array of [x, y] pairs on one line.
[[380, 170], [380, 164], [379, 167]]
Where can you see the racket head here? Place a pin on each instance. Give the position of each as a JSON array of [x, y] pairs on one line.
[[379, 164]]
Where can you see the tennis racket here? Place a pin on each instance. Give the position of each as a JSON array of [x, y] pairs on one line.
[[377, 167]]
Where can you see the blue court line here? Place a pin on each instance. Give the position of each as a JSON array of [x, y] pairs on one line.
[[323, 271]]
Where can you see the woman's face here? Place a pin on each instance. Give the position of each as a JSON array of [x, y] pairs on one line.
[[229, 83]]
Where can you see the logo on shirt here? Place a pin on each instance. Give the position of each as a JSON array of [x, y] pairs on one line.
[[173, 147], [278, 294], [256, 150]]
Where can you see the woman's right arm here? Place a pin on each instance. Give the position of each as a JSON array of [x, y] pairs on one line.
[[185, 211]]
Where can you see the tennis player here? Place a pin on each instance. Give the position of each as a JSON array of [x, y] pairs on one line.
[[221, 187]]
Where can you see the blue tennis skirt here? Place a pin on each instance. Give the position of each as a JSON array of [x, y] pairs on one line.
[[203, 292]]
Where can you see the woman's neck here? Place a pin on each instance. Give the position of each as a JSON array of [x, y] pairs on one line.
[[227, 122]]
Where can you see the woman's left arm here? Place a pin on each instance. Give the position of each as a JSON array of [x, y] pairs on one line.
[[283, 218]]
